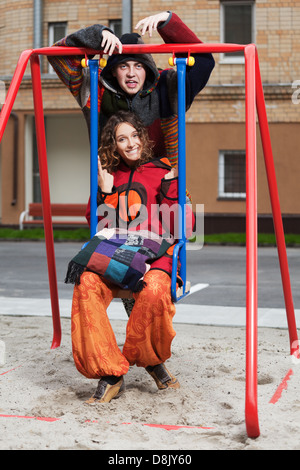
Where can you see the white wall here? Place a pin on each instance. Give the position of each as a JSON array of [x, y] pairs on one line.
[[68, 155]]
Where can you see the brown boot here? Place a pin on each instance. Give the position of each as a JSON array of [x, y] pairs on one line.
[[106, 392], [163, 378]]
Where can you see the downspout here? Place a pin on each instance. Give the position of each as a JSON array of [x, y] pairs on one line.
[[37, 24], [37, 35], [126, 16]]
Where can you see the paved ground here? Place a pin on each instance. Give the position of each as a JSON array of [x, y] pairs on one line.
[[24, 283]]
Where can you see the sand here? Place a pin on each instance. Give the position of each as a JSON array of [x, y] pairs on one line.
[[42, 394]]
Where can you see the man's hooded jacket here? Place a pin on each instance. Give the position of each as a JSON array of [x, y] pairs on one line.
[[156, 103]]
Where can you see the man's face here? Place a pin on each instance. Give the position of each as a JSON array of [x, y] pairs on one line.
[[131, 76]]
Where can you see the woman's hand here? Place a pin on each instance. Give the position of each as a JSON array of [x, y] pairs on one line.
[[150, 23], [172, 174], [105, 179], [110, 43]]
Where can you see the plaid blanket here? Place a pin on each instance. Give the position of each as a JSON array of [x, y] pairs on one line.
[[120, 256]]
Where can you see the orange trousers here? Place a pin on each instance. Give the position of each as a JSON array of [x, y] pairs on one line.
[[149, 331]]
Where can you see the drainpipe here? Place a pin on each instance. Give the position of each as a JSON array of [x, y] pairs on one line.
[[37, 24], [38, 30], [38, 27], [126, 16]]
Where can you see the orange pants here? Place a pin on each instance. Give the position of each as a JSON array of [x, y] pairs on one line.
[[149, 331]]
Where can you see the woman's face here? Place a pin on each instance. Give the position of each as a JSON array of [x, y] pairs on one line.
[[129, 145]]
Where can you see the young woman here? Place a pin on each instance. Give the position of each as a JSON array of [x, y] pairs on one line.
[[133, 81], [134, 187]]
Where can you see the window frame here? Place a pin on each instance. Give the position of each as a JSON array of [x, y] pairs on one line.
[[51, 26], [116, 22], [221, 182], [235, 60]]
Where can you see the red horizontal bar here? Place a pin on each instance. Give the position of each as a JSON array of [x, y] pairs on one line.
[[127, 49], [145, 49]]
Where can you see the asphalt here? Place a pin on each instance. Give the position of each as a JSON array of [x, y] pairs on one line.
[[217, 274]]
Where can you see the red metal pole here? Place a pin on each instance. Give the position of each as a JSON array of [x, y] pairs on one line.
[[146, 49], [278, 225], [251, 413], [45, 190], [13, 90]]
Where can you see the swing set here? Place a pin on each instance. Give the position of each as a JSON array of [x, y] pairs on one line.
[[254, 101]]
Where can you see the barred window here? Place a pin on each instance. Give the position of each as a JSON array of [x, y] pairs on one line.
[[232, 174], [237, 26], [56, 31]]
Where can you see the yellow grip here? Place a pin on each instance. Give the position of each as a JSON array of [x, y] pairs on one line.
[[190, 61], [84, 63], [102, 62]]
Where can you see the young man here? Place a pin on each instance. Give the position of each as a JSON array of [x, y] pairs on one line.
[[133, 82]]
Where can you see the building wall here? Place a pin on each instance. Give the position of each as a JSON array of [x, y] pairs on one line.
[[277, 35], [11, 210], [16, 23], [216, 119], [202, 175]]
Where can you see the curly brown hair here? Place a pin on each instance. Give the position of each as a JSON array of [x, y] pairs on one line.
[[108, 154]]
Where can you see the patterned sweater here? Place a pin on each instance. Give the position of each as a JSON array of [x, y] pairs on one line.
[[141, 199]]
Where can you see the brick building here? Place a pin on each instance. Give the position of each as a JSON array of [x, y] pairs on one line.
[[215, 122]]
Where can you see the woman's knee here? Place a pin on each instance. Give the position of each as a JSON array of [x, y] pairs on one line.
[[93, 287], [157, 287], [88, 279]]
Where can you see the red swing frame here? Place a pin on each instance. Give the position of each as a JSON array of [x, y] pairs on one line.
[[254, 102]]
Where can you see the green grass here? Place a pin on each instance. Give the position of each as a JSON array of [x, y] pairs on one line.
[[80, 234], [83, 234], [264, 239]]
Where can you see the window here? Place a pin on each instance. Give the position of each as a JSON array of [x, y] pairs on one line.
[[237, 27], [56, 31], [232, 174], [116, 27]]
